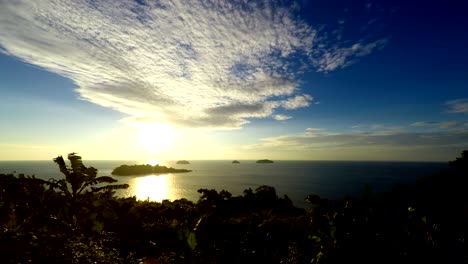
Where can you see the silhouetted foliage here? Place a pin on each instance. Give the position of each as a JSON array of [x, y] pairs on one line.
[[264, 161], [81, 178], [41, 222], [125, 170]]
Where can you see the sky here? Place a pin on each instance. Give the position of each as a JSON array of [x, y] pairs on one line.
[[204, 79]]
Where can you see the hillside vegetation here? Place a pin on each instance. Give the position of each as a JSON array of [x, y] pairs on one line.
[[77, 220]]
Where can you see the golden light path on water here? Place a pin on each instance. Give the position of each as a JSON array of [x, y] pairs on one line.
[[153, 187], [158, 187]]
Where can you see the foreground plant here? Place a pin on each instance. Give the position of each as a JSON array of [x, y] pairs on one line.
[[81, 179]]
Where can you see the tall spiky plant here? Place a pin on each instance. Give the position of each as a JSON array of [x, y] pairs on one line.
[[81, 179]]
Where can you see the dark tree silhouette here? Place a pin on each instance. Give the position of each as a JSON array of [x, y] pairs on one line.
[[82, 179]]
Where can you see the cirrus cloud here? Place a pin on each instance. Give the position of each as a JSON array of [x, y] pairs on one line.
[[458, 106], [445, 124], [191, 63], [313, 139]]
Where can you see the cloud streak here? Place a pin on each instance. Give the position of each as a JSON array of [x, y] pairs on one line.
[[318, 139], [191, 63], [339, 57], [445, 124], [458, 106]]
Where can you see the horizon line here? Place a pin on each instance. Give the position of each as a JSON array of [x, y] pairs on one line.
[[327, 160]]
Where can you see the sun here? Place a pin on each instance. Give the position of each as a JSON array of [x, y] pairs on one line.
[[156, 137]]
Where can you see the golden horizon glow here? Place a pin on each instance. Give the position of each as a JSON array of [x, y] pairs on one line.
[[154, 162]]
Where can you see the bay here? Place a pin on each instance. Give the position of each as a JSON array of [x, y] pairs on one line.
[[297, 179]]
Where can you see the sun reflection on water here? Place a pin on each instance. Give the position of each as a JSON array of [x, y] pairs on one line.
[[154, 187]]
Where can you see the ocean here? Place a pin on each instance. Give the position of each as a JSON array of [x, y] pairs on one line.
[[297, 179]]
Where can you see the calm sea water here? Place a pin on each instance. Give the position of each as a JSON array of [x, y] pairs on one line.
[[297, 179]]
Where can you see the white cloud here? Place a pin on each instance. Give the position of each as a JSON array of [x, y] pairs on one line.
[[281, 117], [458, 106], [187, 62], [297, 102]]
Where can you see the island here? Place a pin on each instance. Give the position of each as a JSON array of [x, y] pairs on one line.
[[235, 162], [183, 162], [126, 170], [264, 161]]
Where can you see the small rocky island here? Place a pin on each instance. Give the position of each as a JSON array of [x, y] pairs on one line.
[[235, 162], [183, 162], [264, 161], [126, 170]]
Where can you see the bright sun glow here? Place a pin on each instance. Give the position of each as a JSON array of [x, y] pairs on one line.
[[156, 137], [153, 162]]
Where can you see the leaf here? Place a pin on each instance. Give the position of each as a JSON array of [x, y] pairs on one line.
[[192, 240], [317, 257], [332, 231], [110, 187], [97, 226], [316, 239], [62, 166], [76, 163], [102, 179]]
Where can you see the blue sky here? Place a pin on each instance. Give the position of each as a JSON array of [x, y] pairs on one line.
[[333, 80]]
